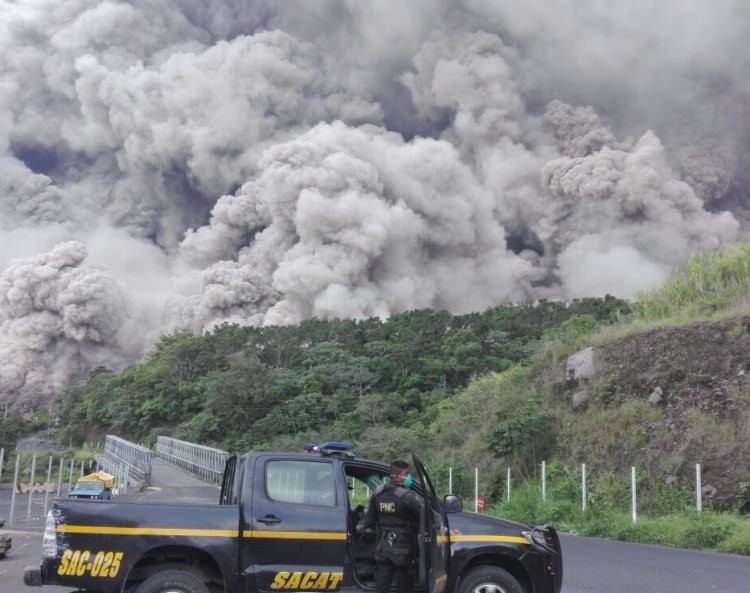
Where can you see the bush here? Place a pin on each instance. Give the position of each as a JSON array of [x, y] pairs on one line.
[[722, 532], [526, 506], [707, 530], [739, 541]]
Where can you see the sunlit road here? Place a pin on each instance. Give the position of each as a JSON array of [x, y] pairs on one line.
[[590, 565]]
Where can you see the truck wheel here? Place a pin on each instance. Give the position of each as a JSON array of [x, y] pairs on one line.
[[489, 579], [172, 581]]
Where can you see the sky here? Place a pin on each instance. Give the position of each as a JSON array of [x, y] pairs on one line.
[[178, 164]]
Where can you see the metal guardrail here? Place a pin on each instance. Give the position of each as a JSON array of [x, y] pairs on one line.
[[204, 462], [119, 452]]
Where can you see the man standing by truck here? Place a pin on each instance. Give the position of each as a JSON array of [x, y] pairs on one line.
[[394, 512]]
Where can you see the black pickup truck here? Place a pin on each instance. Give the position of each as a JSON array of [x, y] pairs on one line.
[[286, 521]]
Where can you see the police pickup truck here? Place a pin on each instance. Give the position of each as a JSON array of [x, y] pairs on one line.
[[286, 522]]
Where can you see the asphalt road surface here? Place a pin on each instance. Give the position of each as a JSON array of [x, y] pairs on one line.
[[593, 565], [590, 565]]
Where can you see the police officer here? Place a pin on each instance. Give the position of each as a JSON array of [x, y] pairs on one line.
[[394, 511]]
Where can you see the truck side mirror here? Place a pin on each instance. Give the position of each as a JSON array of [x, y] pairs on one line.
[[453, 503]]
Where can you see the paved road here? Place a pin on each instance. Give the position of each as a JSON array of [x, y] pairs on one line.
[[601, 566], [591, 565]]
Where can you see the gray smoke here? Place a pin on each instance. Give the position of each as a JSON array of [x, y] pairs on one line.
[[58, 319], [355, 222], [179, 164]]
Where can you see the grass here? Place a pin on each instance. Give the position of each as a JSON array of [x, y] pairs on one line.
[[687, 529], [708, 283]]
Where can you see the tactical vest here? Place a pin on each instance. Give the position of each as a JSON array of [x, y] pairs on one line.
[[397, 532]]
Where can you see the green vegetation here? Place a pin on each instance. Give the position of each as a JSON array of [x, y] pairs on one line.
[[380, 383], [709, 282], [666, 518]]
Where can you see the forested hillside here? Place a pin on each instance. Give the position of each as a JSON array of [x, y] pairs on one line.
[[380, 383]]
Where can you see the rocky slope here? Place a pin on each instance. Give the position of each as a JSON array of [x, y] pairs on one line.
[[665, 400]]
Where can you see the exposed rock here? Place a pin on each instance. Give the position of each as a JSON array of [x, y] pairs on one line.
[[656, 396], [35, 444], [708, 491], [579, 399], [699, 369], [580, 365]]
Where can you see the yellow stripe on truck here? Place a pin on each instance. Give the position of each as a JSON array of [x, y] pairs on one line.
[[108, 530], [294, 535], [172, 531], [506, 539]]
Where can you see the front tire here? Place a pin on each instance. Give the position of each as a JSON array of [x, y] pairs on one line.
[[173, 581], [489, 579]]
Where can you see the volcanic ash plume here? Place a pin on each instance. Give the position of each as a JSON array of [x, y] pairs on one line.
[[57, 318], [356, 222], [180, 164], [615, 199]]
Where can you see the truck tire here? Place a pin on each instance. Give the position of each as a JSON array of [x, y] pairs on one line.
[[489, 579], [172, 581]]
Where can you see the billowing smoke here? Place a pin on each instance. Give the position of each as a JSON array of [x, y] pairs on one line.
[[354, 222], [178, 164], [58, 319]]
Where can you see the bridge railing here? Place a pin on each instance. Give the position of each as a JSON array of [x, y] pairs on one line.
[[120, 453], [204, 462]]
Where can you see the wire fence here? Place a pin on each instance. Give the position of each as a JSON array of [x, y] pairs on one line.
[[29, 495], [480, 504], [33, 488]]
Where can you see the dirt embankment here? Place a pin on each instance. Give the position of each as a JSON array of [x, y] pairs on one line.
[[684, 392]]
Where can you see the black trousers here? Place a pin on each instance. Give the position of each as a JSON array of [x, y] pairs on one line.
[[385, 570]]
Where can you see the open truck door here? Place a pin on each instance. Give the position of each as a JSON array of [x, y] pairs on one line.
[[434, 539]]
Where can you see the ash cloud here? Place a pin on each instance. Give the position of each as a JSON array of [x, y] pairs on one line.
[[58, 318], [179, 164]]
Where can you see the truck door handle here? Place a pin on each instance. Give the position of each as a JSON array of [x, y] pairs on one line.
[[268, 519]]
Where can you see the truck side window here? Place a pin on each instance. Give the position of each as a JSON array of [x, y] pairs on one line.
[[301, 482]]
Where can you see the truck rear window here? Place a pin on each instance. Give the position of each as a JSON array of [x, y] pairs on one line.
[[303, 482]]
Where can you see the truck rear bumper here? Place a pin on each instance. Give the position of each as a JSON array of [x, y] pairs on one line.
[[32, 576]]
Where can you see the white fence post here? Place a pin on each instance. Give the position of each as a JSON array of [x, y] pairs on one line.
[[583, 487], [70, 474], [698, 489], [47, 483], [2, 458], [450, 480], [476, 489], [508, 479], [13, 492], [632, 481], [59, 478], [31, 485], [544, 481]]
